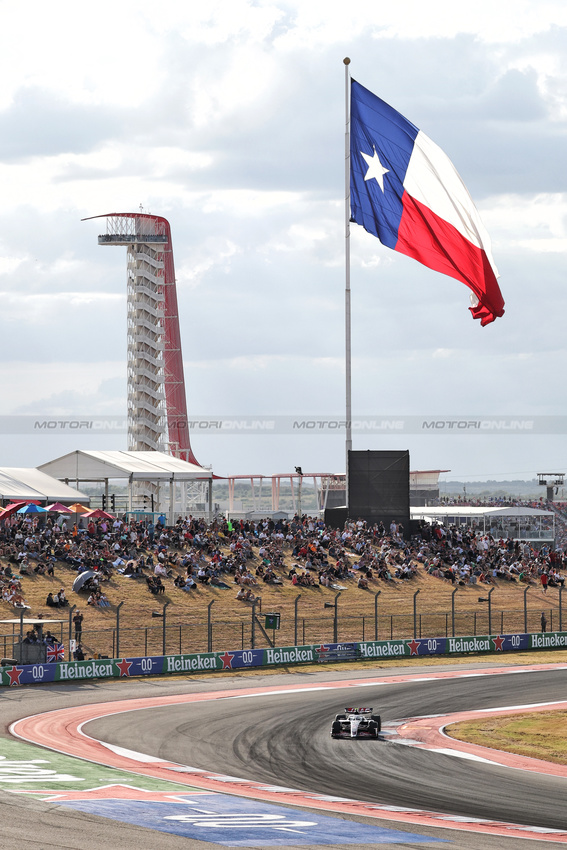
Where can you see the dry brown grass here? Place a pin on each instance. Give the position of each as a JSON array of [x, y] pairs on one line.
[[187, 612], [540, 736]]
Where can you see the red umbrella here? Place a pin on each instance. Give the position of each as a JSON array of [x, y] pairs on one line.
[[58, 508], [13, 507], [97, 514]]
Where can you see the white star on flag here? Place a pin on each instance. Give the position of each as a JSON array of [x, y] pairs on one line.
[[376, 170]]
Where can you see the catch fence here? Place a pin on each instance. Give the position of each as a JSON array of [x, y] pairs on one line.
[[249, 631]]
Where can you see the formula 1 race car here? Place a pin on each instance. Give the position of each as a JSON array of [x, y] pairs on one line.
[[356, 723]]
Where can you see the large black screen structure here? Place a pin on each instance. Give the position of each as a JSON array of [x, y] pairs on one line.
[[378, 487]]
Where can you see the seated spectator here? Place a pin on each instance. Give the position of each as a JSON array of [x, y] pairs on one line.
[[270, 577], [190, 583], [216, 582], [151, 581]]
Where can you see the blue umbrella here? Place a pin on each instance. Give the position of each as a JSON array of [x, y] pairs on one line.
[[32, 509]]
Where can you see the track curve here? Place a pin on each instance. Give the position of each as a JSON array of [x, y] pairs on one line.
[[280, 736], [283, 739]]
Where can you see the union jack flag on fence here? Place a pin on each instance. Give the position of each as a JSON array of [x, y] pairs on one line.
[[55, 652]]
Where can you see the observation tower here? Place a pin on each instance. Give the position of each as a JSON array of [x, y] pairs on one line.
[[157, 405]]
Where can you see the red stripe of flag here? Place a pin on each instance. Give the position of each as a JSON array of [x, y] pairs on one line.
[[438, 245]]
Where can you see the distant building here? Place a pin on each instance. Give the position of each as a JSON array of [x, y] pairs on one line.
[[424, 486]]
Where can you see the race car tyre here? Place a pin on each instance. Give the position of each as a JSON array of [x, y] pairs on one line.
[[335, 729], [377, 719]]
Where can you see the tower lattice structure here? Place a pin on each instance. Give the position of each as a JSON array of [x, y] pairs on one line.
[[157, 405]]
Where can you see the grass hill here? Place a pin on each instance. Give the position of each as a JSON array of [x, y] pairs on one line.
[[142, 632]]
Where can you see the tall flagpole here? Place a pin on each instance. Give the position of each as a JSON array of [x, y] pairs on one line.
[[348, 410]]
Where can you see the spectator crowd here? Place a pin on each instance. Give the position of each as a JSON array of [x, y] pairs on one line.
[[245, 555]]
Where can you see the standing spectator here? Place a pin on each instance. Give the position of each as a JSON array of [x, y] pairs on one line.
[[543, 622], [544, 582], [78, 623]]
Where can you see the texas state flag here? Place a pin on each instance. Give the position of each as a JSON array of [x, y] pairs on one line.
[[406, 191]]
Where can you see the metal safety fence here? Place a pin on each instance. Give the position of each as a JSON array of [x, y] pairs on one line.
[[253, 629]]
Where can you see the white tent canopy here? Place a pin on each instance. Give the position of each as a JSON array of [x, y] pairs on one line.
[[135, 466], [520, 523], [152, 467], [31, 484]]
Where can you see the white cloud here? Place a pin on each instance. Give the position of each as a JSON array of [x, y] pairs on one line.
[[536, 222], [213, 255], [43, 44], [9, 264], [40, 308], [23, 383]]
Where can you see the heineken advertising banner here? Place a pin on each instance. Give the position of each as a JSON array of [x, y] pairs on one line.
[[208, 662]]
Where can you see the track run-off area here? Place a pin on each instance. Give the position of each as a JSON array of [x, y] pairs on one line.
[[251, 763]]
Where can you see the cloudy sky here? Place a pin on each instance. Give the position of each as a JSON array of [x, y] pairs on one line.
[[227, 118]]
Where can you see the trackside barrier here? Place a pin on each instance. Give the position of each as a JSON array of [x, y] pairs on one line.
[[208, 662]]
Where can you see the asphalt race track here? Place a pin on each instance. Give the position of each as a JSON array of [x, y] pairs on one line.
[[284, 739]]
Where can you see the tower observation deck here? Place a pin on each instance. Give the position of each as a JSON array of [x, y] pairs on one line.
[[157, 405]]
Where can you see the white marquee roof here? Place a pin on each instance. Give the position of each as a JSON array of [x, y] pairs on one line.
[[136, 466], [33, 485], [470, 511]]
